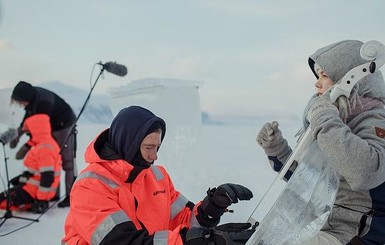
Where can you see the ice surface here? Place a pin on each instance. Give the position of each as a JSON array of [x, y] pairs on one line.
[[304, 204], [176, 101]]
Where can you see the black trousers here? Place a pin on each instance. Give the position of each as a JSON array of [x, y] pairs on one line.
[[18, 196]]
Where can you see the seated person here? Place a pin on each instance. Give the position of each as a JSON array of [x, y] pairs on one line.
[[37, 185]]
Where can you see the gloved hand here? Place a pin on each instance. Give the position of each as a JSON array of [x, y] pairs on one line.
[[218, 199], [320, 104], [226, 234], [15, 141], [271, 139], [21, 178], [20, 154], [15, 180], [196, 236], [270, 135], [39, 206], [232, 233]]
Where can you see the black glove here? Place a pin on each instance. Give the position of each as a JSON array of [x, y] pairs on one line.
[[15, 180], [20, 154], [15, 141], [196, 236], [232, 233], [21, 178], [226, 234], [218, 199], [229, 193], [39, 206]]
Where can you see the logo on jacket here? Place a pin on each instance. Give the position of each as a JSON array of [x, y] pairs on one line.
[[159, 192], [380, 132]]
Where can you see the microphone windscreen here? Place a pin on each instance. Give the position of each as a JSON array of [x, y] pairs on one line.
[[115, 68], [8, 136]]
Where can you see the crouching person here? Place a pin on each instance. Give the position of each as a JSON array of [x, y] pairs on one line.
[[37, 185], [122, 197]]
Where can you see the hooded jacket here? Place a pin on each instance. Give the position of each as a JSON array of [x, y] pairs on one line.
[[43, 160], [43, 101], [117, 200], [355, 148]]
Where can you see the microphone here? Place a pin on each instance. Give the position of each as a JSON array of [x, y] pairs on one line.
[[114, 68], [8, 136]]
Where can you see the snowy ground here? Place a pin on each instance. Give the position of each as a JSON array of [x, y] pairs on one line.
[[222, 153]]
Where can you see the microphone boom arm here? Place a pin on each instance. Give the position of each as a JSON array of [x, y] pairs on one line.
[[81, 110]]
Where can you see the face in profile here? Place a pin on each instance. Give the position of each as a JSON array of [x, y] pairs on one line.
[[22, 104], [323, 83], [150, 145]]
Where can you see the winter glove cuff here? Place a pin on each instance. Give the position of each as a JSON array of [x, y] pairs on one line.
[[218, 199], [232, 233], [196, 236], [210, 208], [278, 149]]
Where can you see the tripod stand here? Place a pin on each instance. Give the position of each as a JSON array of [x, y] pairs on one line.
[[8, 212]]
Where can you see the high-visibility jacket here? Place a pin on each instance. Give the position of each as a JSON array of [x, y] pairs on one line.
[[43, 160], [114, 202]]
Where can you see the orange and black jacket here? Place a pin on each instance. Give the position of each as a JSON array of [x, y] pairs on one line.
[[43, 160], [116, 202]]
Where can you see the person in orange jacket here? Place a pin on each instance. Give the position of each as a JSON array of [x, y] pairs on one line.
[[37, 185], [122, 197]]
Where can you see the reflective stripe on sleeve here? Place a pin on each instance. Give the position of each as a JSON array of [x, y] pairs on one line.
[[178, 205], [92, 175], [46, 189], [161, 238], [41, 188], [46, 145], [107, 225], [46, 169], [158, 174]]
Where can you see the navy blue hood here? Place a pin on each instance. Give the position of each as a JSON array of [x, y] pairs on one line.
[[129, 128]]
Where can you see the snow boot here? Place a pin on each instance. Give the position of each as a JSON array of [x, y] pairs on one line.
[[64, 203]]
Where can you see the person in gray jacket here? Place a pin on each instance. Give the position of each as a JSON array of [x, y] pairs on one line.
[[350, 133]]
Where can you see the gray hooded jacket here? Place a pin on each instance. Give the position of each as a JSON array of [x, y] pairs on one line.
[[355, 146]]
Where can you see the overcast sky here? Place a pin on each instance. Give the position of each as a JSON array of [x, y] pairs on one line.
[[250, 55]]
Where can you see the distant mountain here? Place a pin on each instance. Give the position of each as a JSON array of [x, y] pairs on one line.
[[97, 109]]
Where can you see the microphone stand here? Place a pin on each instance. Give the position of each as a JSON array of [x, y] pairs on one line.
[[73, 131], [73, 127], [8, 212]]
